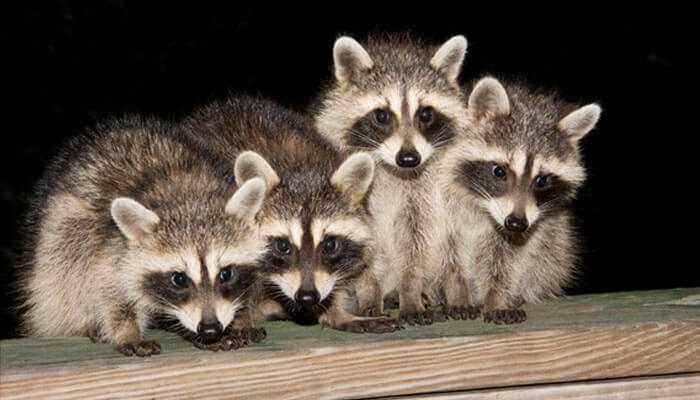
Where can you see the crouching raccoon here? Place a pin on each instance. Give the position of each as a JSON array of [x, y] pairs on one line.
[[315, 217], [130, 227], [509, 183]]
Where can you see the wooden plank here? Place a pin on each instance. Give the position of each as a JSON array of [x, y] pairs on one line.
[[674, 387], [575, 339]]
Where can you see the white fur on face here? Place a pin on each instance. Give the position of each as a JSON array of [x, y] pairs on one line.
[[246, 252], [188, 316], [226, 311], [424, 148], [499, 208], [532, 212], [388, 150], [352, 228], [290, 229], [288, 282], [324, 283]]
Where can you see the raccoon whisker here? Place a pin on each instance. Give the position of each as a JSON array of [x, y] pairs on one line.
[[364, 138], [479, 189], [440, 139]]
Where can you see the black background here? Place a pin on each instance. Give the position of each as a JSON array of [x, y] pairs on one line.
[[70, 64]]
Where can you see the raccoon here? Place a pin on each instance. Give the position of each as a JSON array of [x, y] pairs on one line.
[[315, 218], [400, 100], [130, 228], [509, 183]]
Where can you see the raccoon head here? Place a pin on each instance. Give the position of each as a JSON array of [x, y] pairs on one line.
[[520, 157], [192, 261], [399, 99], [318, 235]]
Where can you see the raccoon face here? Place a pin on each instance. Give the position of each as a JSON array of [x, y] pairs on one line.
[[521, 160], [315, 244], [309, 257], [402, 106], [193, 270]]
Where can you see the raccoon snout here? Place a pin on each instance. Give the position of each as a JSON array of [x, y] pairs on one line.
[[515, 223], [308, 298], [209, 331], [408, 158]]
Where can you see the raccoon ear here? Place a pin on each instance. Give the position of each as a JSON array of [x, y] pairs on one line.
[[134, 220], [354, 177], [248, 199], [489, 97], [449, 57], [350, 59], [577, 124], [250, 164]]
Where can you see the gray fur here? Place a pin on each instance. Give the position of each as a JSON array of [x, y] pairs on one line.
[[504, 269], [310, 184], [83, 275], [399, 79]]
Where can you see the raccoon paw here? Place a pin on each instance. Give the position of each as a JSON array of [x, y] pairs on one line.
[[144, 348], [371, 325], [95, 337], [511, 316], [426, 317], [372, 311], [251, 335], [226, 343], [463, 313]]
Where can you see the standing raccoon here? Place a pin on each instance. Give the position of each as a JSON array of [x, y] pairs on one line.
[[400, 100], [129, 226], [315, 218], [509, 182]]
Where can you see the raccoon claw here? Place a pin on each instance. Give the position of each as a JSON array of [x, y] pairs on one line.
[[426, 317], [463, 313], [513, 316], [373, 312], [226, 343], [234, 340], [371, 325], [251, 335], [144, 348]]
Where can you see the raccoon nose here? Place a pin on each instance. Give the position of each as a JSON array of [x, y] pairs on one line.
[[308, 298], [209, 331], [407, 158], [516, 224]]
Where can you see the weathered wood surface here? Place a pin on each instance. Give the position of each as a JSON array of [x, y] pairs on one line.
[[674, 387], [577, 339]]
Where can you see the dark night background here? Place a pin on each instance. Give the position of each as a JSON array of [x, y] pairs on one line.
[[70, 64]]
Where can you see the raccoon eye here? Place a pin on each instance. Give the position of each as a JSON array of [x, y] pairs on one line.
[[425, 115], [225, 274], [542, 181], [283, 246], [330, 245], [178, 279], [499, 172], [382, 117]]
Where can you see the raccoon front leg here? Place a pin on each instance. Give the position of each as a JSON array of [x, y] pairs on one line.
[[459, 303], [247, 327], [123, 326], [337, 317], [370, 298], [412, 308], [501, 308]]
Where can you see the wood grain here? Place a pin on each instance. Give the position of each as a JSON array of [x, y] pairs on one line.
[[674, 387], [580, 338], [388, 368]]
